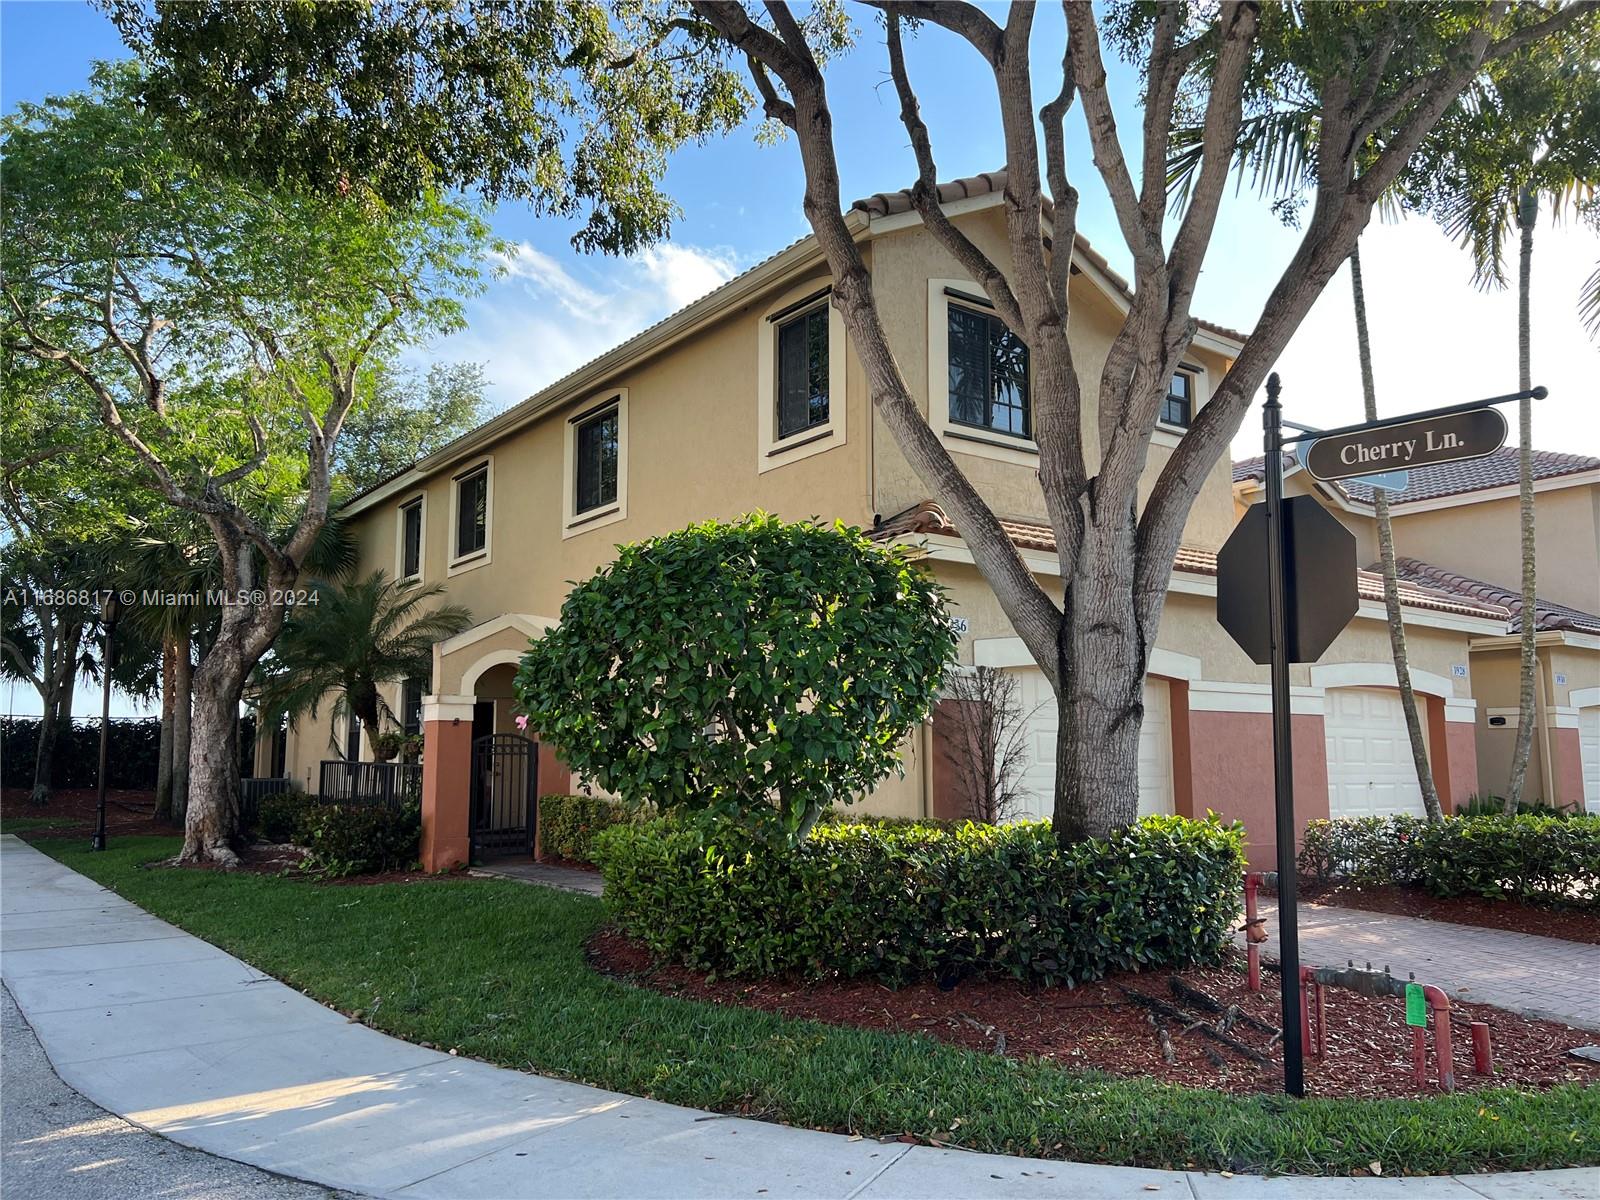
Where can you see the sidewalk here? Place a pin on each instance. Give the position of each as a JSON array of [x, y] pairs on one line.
[[178, 1037], [1538, 976]]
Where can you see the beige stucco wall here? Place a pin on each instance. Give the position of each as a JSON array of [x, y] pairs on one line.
[[1496, 678], [1483, 541], [902, 264]]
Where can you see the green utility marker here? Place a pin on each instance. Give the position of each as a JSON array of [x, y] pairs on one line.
[[1416, 1005]]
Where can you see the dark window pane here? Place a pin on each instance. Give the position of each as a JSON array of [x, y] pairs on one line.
[[1178, 407], [352, 739], [411, 707], [597, 462], [988, 373], [472, 513], [411, 557], [803, 372]]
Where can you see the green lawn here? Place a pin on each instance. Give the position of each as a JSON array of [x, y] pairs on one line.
[[30, 824], [497, 970]]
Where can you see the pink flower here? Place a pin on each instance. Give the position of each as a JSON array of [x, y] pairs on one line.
[[522, 723]]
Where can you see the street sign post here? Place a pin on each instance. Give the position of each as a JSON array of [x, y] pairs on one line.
[[1307, 594]]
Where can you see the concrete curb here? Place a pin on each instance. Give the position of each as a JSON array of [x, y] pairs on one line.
[[174, 1035]]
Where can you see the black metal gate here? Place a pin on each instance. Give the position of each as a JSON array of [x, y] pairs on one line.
[[505, 780]]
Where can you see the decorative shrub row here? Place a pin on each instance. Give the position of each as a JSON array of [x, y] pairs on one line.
[[568, 824], [359, 839], [133, 749], [1534, 859], [278, 817], [905, 902]]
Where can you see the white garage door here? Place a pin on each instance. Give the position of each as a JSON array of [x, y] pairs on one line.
[[1370, 772], [1155, 746], [1589, 744]]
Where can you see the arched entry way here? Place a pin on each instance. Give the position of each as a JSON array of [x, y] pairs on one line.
[[481, 774]]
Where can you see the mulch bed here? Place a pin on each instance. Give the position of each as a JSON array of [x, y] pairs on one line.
[[1567, 924], [128, 813], [1098, 1026], [282, 858]]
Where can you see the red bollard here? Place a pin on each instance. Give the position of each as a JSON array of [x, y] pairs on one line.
[[1482, 1050]]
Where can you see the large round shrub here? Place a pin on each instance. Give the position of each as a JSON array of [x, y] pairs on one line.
[[900, 902], [748, 667]]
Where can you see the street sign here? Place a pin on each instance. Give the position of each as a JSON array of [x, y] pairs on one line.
[[1319, 581], [1395, 445]]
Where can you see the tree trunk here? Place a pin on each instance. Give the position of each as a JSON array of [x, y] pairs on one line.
[[1527, 214], [168, 703], [44, 752], [182, 710], [212, 821], [1101, 700], [59, 671], [1391, 579]]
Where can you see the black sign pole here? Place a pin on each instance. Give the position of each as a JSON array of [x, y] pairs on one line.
[[1282, 747]]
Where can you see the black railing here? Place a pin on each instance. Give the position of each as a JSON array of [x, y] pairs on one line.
[[253, 791], [391, 784]]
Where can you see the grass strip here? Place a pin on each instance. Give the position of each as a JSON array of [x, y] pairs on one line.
[[496, 969]]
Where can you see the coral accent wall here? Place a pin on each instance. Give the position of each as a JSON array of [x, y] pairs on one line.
[[1230, 772], [1453, 754], [446, 782], [1566, 764]]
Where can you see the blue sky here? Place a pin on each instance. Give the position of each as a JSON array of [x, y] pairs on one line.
[[1436, 340]]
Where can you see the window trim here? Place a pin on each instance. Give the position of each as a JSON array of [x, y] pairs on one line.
[[772, 451], [473, 559], [980, 441], [420, 501], [572, 521]]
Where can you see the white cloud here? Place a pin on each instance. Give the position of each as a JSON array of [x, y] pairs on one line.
[[539, 320]]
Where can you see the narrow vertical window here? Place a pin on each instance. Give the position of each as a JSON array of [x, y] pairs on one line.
[[596, 452], [1178, 408], [988, 374], [411, 706], [411, 539], [472, 512], [803, 372]]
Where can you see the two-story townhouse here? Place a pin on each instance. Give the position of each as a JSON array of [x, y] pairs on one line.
[[752, 398], [1457, 530]]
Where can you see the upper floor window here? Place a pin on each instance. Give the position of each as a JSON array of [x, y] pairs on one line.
[[1178, 408], [598, 444], [411, 539], [472, 511], [803, 371], [988, 373]]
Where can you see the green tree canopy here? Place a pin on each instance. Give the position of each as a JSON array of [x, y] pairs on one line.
[[750, 667], [407, 414]]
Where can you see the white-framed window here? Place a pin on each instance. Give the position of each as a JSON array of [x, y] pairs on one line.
[[471, 515], [411, 526], [979, 383], [800, 377], [595, 478]]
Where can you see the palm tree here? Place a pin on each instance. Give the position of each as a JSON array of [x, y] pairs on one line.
[[349, 641], [1274, 149], [1530, 136]]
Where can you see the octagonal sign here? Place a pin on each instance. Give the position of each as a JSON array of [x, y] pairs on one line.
[[1319, 577]]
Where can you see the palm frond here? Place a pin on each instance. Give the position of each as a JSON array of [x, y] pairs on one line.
[[1589, 303]]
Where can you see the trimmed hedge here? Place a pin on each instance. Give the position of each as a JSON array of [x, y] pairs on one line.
[[1534, 859], [359, 839], [278, 817], [133, 748], [568, 824], [906, 902]]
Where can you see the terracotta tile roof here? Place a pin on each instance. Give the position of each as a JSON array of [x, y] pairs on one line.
[[885, 204], [1450, 479], [1546, 614], [929, 518]]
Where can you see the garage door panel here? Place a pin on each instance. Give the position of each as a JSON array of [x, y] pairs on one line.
[[1370, 771], [1589, 753], [1155, 746]]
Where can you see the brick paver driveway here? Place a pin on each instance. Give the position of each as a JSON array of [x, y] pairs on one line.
[[1539, 976]]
